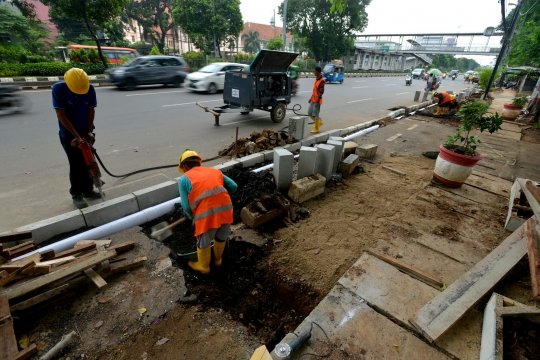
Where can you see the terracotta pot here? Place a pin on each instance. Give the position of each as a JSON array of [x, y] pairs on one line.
[[511, 112], [453, 169]]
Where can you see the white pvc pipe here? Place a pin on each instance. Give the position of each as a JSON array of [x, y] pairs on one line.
[[361, 133], [113, 227], [269, 166]]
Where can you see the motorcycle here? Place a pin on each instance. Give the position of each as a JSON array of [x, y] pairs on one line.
[[444, 76], [454, 77], [408, 79], [294, 87], [12, 101]]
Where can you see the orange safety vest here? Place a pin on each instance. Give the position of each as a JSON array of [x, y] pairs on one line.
[[315, 96], [209, 200], [445, 98]]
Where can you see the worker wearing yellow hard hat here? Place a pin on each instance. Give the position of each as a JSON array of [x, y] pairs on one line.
[[74, 101], [446, 101], [204, 195]]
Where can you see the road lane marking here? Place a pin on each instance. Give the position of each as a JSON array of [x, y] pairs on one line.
[[359, 87], [393, 137], [243, 121], [390, 84], [190, 103], [412, 127], [402, 93], [161, 92], [384, 80], [348, 102], [360, 81]]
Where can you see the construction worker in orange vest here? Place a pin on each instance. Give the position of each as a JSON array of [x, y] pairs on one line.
[[316, 101], [204, 194], [446, 101]]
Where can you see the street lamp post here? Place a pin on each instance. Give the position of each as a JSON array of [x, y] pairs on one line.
[[285, 24], [214, 14]]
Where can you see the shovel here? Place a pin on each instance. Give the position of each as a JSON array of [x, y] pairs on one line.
[[163, 230]]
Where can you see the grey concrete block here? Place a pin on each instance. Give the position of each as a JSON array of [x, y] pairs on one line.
[[283, 168], [460, 97], [417, 96], [110, 210], [450, 92], [297, 126], [293, 147], [48, 228], [325, 160], [367, 151], [335, 132], [308, 141], [347, 166], [268, 155], [344, 132], [336, 138], [349, 147], [424, 96], [321, 137], [307, 188], [338, 153], [391, 114], [227, 165], [306, 162], [251, 160], [156, 194]]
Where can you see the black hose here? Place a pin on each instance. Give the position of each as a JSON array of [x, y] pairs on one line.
[[156, 167]]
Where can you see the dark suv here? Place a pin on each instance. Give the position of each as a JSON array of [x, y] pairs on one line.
[[148, 70]]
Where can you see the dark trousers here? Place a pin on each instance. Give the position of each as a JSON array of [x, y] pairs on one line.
[[80, 180]]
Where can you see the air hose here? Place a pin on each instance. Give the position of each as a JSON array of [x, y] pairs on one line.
[[156, 167]]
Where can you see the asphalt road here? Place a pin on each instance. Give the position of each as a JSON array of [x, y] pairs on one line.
[[152, 126]]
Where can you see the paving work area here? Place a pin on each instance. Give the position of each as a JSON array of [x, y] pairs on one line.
[[362, 260]]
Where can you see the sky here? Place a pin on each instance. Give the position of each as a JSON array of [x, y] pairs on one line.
[[407, 16]]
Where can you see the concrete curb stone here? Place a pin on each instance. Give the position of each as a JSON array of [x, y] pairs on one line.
[[45, 229], [156, 194], [110, 210]]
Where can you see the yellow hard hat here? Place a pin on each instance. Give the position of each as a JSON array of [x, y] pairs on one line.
[[186, 155], [434, 94], [77, 81]]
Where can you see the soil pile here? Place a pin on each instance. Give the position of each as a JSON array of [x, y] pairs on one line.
[[267, 139]]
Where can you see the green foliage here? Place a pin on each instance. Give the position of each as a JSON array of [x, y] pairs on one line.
[[520, 100], [27, 9], [328, 35], [47, 69], [450, 62], [194, 59], [26, 32], [93, 56], [275, 44], [484, 76], [337, 5], [474, 116], [243, 58], [252, 43], [525, 49], [155, 51], [202, 19]]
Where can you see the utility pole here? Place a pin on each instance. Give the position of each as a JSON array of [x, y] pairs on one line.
[[285, 25], [214, 14], [506, 43]]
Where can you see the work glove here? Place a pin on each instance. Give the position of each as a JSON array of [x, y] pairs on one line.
[[178, 211]]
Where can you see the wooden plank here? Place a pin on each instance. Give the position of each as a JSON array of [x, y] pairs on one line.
[[104, 266], [31, 242], [47, 255], [533, 250], [58, 261], [532, 196], [21, 251], [44, 280], [438, 315], [16, 236], [3, 274], [34, 257], [123, 247], [77, 260], [39, 269], [96, 279], [14, 274], [26, 353], [76, 250], [517, 311], [501, 188], [98, 243], [8, 342], [39, 298], [408, 269]]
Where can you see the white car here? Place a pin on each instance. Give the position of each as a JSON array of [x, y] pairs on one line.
[[211, 78]]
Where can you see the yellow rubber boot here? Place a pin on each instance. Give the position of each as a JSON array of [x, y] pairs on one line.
[[438, 112], [320, 123], [444, 110], [317, 127], [203, 263], [219, 247]]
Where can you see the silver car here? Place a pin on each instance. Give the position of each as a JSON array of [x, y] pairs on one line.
[[149, 70]]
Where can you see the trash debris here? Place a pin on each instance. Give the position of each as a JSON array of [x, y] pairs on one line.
[[317, 251], [98, 324], [142, 310], [267, 139], [162, 341], [24, 341]]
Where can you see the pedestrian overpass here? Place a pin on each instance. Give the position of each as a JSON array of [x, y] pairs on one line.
[[432, 43]]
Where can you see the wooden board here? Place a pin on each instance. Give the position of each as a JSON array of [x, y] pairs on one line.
[[123, 247], [39, 298], [58, 261], [47, 255], [44, 280], [501, 188], [21, 251], [16, 236], [8, 342], [533, 250], [408, 269], [514, 135], [511, 127], [34, 257], [438, 315], [98, 243], [76, 250], [14, 274], [25, 353], [517, 311], [96, 279], [9, 252]]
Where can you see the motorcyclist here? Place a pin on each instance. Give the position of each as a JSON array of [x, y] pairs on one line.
[[293, 71]]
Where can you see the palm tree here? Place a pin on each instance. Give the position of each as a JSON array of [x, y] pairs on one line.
[[251, 42]]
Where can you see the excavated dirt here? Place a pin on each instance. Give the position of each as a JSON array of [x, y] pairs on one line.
[[531, 135], [521, 339]]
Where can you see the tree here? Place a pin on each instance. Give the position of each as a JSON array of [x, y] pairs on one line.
[[525, 48], [328, 35], [28, 10], [338, 5], [155, 51], [251, 41], [275, 44], [25, 31], [91, 11], [202, 20]]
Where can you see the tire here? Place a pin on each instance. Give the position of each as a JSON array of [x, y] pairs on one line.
[[131, 84], [244, 112], [341, 82], [212, 88], [177, 82], [278, 112]]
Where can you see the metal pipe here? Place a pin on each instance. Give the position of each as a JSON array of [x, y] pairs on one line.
[[361, 133]]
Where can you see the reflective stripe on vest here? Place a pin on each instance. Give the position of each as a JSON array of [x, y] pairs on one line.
[[445, 98], [315, 94], [213, 211], [206, 194]]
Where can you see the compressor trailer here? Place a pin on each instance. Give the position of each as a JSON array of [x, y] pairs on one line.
[[265, 86]]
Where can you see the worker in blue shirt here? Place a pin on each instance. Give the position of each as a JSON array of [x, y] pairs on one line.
[[204, 194], [74, 101]]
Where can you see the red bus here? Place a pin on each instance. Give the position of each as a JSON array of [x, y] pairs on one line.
[[114, 54]]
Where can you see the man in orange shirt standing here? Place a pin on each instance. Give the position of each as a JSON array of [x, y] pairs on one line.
[[316, 101]]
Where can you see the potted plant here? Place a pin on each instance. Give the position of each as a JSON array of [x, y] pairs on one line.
[[512, 111], [458, 154]]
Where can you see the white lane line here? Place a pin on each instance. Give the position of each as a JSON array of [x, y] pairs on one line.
[[390, 84], [412, 127], [360, 81], [189, 103], [243, 121], [359, 87], [384, 80], [348, 102], [403, 93], [393, 137], [155, 93]]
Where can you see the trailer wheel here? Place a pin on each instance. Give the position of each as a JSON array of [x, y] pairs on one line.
[[278, 113]]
